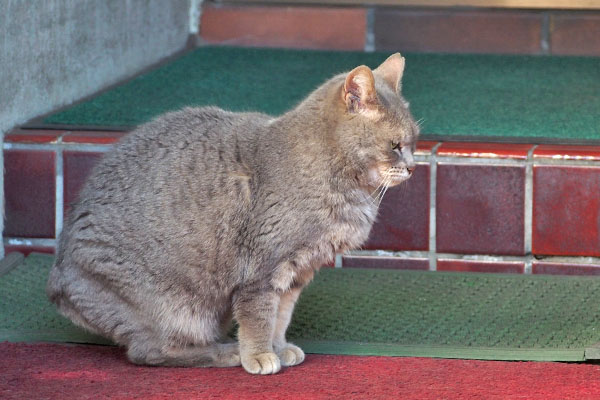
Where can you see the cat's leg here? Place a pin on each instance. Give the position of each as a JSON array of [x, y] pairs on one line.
[[151, 348], [288, 353], [255, 310], [149, 351], [94, 306]]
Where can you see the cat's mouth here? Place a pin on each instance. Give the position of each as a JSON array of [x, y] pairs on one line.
[[386, 176], [396, 176]]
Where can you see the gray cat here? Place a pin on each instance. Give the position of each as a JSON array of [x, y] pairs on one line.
[[203, 216]]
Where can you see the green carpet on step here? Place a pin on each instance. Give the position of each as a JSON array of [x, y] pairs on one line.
[[383, 312], [473, 95]]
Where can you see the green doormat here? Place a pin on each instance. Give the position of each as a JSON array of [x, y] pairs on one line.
[[473, 95], [383, 312]]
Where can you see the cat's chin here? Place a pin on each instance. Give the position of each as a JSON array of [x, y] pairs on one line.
[[399, 179]]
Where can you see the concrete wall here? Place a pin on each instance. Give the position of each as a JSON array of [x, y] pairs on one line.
[[54, 52]]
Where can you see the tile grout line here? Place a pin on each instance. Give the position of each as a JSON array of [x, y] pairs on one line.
[[338, 260], [42, 242], [47, 242], [441, 159], [82, 147], [2, 195], [528, 212], [432, 207], [369, 31], [545, 33], [59, 195], [488, 161]]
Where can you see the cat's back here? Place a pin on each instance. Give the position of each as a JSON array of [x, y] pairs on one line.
[[169, 181], [193, 144], [191, 131]]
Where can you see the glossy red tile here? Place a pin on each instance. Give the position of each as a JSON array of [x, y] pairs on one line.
[[425, 147], [565, 152], [296, 27], [77, 167], [33, 136], [575, 34], [30, 191], [484, 150], [506, 267], [93, 137], [385, 262], [480, 209], [566, 210], [556, 268], [26, 250], [403, 219], [457, 31]]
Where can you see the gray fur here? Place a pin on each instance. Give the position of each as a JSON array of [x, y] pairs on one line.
[[204, 215]]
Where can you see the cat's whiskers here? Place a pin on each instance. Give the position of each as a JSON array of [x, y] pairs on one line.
[[382, 188], [374, 193], [387, 180]]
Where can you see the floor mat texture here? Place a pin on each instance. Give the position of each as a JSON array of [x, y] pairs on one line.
[[473, 95], [383, 312], [55, 371]]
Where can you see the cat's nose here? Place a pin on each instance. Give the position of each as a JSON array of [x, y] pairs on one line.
[[411, 169]]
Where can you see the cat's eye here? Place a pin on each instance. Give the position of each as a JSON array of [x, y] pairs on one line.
[[394, 145]]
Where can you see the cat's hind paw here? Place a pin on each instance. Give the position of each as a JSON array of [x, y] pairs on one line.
[[228, 355], [263, 363], [290, 355]]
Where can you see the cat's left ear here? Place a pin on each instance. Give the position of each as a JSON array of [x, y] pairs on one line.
[[391, 70], [359, 90]]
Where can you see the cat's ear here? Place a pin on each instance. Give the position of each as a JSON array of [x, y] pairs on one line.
[[391, 70], [359, 90]]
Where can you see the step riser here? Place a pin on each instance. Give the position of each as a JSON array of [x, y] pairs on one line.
[[469, 206], [371, 28]]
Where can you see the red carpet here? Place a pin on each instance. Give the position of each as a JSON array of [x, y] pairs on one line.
[[53, 371]]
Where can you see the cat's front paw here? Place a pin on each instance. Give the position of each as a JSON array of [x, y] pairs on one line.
[[290, 355], [263, 363]]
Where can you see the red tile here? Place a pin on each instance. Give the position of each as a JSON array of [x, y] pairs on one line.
[[94, 137], [564, 152], [507, 267], [26, 250], [566, 210], [425, 147], [575, 34], [29, 190], [555, 268], [385, 262], [480, 209], [273, 26], [403, 219], [458, 31], [33, 136], [77, 167], [484, 150]]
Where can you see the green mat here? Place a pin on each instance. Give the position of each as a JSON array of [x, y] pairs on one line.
[[480, 95], [384, 312]]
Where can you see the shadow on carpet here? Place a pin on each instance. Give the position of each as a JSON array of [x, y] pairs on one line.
[[383, 312]]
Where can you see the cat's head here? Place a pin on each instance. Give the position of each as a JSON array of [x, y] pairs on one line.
[[377, 130]]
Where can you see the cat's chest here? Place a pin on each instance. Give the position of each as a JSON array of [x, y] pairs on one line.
[[351, 226], [346, 228]]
